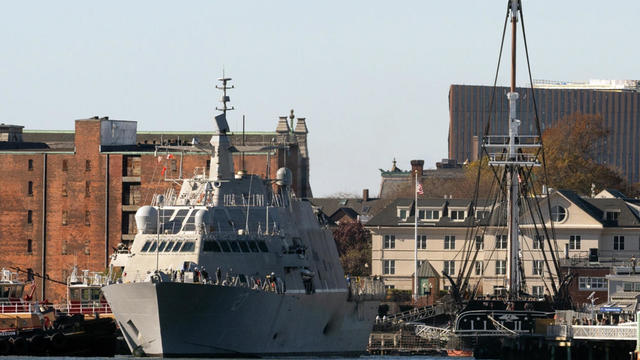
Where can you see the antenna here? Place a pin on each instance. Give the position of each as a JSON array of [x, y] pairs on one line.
[[225, 99]]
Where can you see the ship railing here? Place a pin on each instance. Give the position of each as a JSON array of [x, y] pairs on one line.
[[366, 288], [12, 308], [594, 332], [85, 308]]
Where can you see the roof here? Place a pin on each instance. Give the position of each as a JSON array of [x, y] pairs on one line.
[[362, 209], [427, 270]]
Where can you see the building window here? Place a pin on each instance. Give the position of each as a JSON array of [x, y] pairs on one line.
[[631, 287], [612, 215], [457, 215], [87, 165], [65, 217], [30, 188], [482, 214], [479, 268], [592, 283], [29, 246], [501, 267], [501, 241], [422, 242], [389, 287], [87, 218], [558, 213], [174, 165], [538, 242], [30, 164], [479, 242], [65, 166], [618, 242], [63, 191], [87, 248], [428, 214], [537, 291], [537, 267], [65, 250], [389, 267], [449, 267], [29, 217], [574, 242], [87, 189], [449, 242], [499, 290], [389, 242]]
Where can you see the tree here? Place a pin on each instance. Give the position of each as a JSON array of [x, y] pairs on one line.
[[571, 150], [354, 247]]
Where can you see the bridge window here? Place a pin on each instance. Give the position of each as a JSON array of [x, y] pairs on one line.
[[263, 246], [225, 246], [177, 246], [235, 247], [253, 246], [244, 247], [145, 247], [211, 246], [162, 245], [169, 246], [153, 247], [188, 246]]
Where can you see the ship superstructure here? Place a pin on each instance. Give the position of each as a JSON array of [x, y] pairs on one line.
[[233, 264]]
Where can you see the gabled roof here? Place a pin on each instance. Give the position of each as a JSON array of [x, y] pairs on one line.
[[330, 206], [427, 270]]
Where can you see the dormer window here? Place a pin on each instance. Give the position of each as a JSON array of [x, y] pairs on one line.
[[424, 214], [403, 214], [457, 215], [612, 215], [482, 214]]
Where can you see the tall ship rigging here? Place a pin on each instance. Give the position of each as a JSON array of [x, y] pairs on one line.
[[519, 209], [235, 265]]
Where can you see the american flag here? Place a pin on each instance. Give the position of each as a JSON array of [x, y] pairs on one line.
[[419, 190]]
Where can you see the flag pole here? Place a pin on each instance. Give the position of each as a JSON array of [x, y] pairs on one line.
[[415, 218]]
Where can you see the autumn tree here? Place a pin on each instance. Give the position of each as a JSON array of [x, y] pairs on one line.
[[571, 151], [354, 247]]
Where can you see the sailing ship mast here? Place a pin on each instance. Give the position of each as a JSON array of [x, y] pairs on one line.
[[513, 159]]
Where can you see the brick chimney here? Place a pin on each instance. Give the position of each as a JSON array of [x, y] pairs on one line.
[[365, 194], [417, 166]]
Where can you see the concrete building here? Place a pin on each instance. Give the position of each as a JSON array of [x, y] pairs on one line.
[[69, 197], [598, 232], [618, 102]]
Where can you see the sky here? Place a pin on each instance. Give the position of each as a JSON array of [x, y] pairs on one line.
[[371, 77]]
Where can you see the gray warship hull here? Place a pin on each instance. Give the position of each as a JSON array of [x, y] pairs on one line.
[[182, 319]]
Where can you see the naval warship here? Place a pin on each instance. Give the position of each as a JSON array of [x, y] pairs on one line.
[[236, 265]]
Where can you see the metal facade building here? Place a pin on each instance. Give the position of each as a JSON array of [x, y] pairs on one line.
[[469, 111]]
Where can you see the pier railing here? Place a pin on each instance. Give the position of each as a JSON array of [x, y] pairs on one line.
[[594, 332]]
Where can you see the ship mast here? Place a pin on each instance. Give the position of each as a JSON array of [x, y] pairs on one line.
[[513, 159]]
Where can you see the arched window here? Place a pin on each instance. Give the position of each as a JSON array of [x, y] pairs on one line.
[[558, 213]]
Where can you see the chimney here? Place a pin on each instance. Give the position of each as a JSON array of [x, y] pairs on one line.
[[416, 166], [283, 125], [365, 194]]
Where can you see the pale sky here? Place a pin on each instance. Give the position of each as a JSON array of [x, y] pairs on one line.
[[371, 77]]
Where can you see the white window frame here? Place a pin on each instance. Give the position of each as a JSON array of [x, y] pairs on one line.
[[457, 215], [388, 241], [555, 213], [479, 242], [449, 242], [501, 267], [537, 267], [479, 268], [538, 242], [537, 290], [389, 267], [422, 242], [592, 283], [618, 242], [502, 240], [449, 267], [574, 242]]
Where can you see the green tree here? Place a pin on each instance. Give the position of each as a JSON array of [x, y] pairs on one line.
[[354, 247], [571, 150]]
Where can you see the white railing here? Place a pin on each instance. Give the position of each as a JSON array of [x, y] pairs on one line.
[[593, 332], [84, 308], [9, 308]]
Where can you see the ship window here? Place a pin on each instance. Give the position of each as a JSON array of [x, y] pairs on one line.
[[86, 294], [253, 246], [190, 225], [169, 246], [211, 246], [225, 246], [153, 246], [177, 246], [188, 246], [95, 294], [162, 245], [263, 246], [244, 246], [235, 247]]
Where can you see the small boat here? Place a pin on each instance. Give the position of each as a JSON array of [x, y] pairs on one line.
[[459, 353], [84, 293]]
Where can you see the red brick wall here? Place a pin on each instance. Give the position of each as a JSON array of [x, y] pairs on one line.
[[579, 297]]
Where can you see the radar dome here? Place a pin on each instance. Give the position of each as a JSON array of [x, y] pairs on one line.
[[147, 220], [201, 219], [283, 177]]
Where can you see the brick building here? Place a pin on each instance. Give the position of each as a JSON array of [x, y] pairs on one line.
[[69, 197]]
